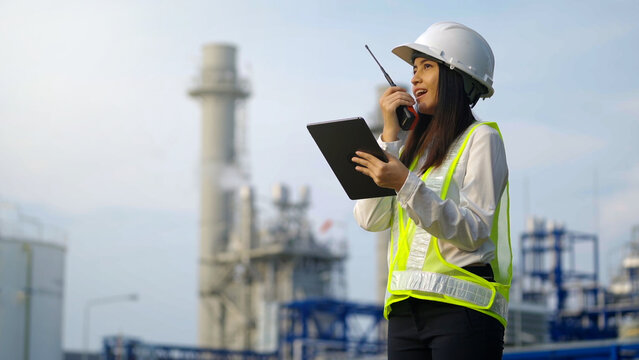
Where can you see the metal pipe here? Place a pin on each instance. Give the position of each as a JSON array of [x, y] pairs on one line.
[[27, 310]]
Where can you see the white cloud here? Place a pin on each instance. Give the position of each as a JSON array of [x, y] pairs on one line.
[[96, 117], [530, 145], [619, 209], [618, 215], [630, 105], [95, 150]]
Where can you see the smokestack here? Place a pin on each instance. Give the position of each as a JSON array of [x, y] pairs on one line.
[[218, 89]]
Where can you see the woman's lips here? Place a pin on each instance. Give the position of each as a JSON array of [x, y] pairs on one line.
[[419, 93]]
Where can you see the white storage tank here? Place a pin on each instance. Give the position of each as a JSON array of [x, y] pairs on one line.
[[31, 295]]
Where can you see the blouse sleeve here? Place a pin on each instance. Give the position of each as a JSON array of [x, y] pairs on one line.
[[376, 214], [467, 224]]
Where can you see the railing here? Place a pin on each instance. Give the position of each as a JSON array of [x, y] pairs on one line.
[[123, 348], [220, 79], [16, 225], [590, 350]]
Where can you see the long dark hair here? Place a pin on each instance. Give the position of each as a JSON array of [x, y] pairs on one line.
[[435, 134]]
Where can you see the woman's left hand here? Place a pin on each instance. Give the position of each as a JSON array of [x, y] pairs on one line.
[[391, 174]]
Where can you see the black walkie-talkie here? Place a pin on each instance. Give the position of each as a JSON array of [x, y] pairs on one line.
[[406, 115]]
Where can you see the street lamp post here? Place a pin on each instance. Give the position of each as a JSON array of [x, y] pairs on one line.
[[94, 302]]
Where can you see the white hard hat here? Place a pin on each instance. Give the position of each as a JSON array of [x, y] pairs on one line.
[[457, 46]]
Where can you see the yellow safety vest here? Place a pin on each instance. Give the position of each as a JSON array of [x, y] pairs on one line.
[[418, 269]]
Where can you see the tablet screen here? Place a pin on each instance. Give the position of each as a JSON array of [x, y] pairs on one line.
[[338, 141]]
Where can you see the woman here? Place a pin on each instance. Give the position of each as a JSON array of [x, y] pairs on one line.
[[449, 255]]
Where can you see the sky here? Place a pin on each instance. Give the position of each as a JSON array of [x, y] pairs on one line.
[[99, 137]]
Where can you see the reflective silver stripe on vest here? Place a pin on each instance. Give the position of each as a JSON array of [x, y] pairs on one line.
[[418, 249], [434, 181], [450, 286], [394, 234]]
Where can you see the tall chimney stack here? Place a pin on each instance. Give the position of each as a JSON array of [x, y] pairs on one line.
[[218, 90]]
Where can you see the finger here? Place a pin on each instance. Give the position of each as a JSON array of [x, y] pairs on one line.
[[399, 102], [394, 102], [359, 160], [399, 90], [364, 171], [366, 156], [393, 89], [402, 96], [392, 93]]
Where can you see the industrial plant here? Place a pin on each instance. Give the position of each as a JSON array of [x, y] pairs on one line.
[[269, 288], [271, 293]]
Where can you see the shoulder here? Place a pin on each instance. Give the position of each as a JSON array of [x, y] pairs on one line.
[[486, 151], [486, 142], [485, 133], [485, 129]]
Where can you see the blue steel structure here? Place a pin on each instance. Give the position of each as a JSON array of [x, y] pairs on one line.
[[549, 274], [334, 329], [126, 348], [560, 243], [583, 310], [595, 350], [312, 327], [308, 329]]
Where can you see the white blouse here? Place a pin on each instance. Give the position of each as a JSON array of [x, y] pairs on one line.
[[463, 228]]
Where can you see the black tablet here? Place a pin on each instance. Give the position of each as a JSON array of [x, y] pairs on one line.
[[338, 140]]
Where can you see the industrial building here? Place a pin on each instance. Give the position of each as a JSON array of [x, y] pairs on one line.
[[32, 258], [245, 273], [269, 291]]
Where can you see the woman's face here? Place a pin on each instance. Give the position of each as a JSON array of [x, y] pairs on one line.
[[425, 84]]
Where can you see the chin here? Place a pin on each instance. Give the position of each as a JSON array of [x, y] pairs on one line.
[[426, 110]]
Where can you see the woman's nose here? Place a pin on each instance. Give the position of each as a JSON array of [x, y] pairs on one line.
[[415, 80]]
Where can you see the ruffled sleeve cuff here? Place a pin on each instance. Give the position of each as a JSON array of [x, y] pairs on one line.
[[392, 147], [408, 190]]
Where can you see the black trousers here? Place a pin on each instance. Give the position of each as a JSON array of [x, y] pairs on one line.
[[431, 330], [421, 329]]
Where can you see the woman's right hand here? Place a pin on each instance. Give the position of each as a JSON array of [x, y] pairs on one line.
[[391, 99]]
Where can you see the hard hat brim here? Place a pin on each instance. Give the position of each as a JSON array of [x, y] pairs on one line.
[[406, 51]]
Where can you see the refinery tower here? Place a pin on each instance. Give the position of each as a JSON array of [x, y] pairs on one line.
[[245, 272]]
